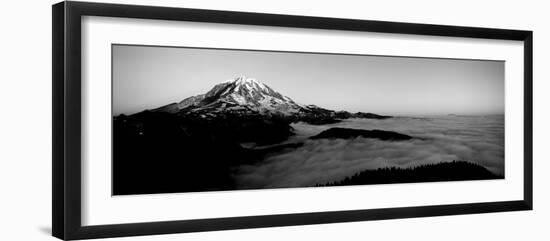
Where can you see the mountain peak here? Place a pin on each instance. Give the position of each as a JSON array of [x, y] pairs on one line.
[[241, 93], [246, 81], [241, 79]]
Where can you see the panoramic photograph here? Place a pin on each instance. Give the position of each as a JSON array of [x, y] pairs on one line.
[[202, 119]]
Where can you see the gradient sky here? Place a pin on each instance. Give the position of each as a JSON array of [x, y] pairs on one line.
[[146, 77]]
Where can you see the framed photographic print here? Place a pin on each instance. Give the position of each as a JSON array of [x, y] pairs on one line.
[[170, 120]]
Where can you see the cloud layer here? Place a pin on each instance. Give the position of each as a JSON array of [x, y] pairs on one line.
[[478, 139]]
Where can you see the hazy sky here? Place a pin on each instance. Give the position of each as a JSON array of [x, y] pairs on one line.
[[146, 77]]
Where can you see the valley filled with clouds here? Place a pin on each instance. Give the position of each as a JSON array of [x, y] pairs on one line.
[[476, 139]]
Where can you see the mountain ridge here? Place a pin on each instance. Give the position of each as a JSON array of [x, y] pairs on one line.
[[248, 96]]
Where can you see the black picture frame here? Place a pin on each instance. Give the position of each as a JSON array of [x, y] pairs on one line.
[[66, 76]]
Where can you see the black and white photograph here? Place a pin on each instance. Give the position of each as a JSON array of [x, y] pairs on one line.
[[275, 120], [198, 119]]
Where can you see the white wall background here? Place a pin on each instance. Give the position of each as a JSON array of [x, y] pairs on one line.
[[25, 122]]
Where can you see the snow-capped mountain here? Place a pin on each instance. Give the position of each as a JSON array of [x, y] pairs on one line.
[[244, 96], [241, 94]]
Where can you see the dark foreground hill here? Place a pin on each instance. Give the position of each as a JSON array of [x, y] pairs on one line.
[[443, 171]]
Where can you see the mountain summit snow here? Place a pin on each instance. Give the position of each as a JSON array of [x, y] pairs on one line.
[[241, 94]]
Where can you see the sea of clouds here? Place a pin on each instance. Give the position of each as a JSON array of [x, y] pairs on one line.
[[478, 139]]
